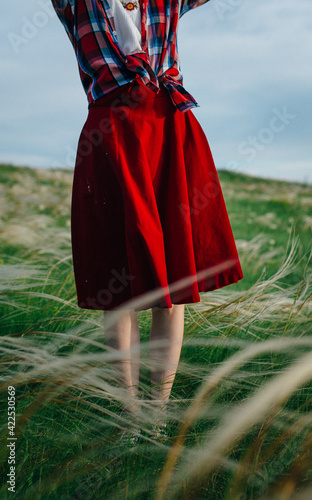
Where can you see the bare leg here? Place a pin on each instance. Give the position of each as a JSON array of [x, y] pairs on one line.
[[124, 335], [167, 326]]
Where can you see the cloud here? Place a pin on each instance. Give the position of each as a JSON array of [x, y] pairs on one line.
[[253, 60], [240, 60]]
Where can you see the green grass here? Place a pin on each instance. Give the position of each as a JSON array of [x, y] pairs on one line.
[[70, 412]]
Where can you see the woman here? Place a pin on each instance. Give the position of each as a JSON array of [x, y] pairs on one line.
[[147, 205]]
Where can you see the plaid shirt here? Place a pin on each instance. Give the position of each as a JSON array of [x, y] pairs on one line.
[[103, 66]]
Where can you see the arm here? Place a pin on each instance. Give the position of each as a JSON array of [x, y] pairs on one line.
[[187, 5]]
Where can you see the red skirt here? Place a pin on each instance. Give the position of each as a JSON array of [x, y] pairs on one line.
[[147, 205]]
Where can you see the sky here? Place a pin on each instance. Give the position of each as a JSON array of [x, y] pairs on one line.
[[248, 64]]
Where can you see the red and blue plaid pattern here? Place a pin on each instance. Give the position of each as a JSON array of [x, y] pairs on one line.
[[104, 67]]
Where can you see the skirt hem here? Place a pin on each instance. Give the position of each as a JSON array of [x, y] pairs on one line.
[[189, 297]]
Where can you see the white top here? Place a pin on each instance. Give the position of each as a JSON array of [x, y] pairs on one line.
[[128, 27]]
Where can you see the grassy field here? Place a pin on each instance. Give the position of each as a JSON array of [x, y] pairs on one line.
[[240, 415]]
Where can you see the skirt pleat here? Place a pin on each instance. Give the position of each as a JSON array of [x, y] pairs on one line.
[[147, 205]]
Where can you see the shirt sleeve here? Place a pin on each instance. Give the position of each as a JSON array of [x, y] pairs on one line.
[[61, 4], [65, 10], [187, 5]]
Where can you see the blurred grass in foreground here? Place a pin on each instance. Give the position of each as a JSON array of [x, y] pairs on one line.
[[240, 416]]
